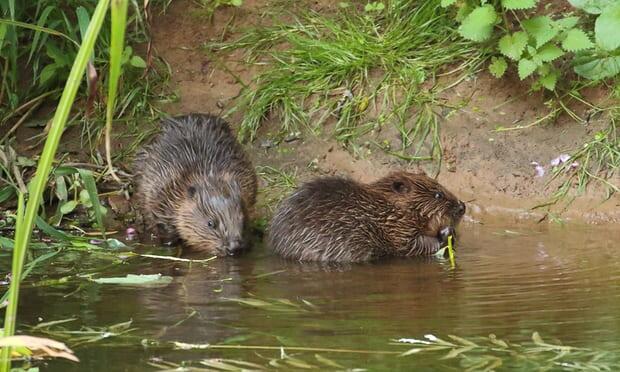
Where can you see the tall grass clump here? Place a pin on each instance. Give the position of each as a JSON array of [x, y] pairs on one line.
[[26, 218], [39, 41], [343, 66]]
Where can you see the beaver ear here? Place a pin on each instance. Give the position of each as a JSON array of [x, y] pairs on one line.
[[191, 191], [400, 187]]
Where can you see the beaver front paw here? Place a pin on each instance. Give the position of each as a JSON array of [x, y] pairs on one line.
[[445, 233]]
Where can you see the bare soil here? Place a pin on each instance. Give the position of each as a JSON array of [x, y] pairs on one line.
[[490, 170]]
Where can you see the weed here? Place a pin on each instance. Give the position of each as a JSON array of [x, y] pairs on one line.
[[343, 65], [279, 183]]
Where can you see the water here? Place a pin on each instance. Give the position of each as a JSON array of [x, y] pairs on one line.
[[563, 282]]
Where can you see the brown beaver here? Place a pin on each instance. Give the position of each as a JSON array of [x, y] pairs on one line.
[[196, 184], [339, 220]]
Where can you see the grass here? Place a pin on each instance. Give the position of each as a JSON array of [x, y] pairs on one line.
[[25, 217], [352, 66], [279, 183]]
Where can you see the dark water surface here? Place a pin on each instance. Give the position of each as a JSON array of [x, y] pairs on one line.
[[562, 282]]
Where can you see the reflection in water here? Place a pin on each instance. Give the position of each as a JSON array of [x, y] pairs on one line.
[[562, 282]]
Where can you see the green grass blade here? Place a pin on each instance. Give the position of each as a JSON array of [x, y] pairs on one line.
[[19, 253], [91, 187], [24, 230], [38, 29], [119, 20]]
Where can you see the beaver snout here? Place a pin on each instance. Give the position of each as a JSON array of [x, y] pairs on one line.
[[234, 247], [460, 209], [445, 233]]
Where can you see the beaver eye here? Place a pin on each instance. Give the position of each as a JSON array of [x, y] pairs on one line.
[[211, 224], [439, 195]]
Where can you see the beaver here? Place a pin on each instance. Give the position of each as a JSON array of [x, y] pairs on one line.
[[195, 184], [335, 219]]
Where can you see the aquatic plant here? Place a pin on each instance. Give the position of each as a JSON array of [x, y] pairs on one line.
[[27, 214]]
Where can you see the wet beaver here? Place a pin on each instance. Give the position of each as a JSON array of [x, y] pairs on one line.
[[196, 184], [339, 220]]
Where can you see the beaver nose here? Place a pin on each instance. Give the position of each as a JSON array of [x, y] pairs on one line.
[[234, 247], [461, 208]]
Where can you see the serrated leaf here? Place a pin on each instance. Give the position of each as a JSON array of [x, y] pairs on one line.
[[548, 53], [68, 207], [478, 25], [576, 40], [498, 67], [600, 68], [592, 6], [526, 68], [607, 27], [512, 46], [541, 29], [518, 4], [566, 23], [548, 81], [447, 3]]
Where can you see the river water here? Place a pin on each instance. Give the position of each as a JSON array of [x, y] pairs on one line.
[[562, 282]]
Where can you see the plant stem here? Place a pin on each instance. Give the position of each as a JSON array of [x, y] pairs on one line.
[[24, 230]]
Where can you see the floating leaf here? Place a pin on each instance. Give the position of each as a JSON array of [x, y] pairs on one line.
[[526, 68], [44, 346], [518, 4], [498, 66], [541, 29], [477, 26], [132, 279], [512, 46], [607, 27], [576, 40]]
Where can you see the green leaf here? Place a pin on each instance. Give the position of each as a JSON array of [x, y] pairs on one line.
[[447, 3], [576, 40], [137, 61], [607, 28], [548, 53], [91, 187], [566, 23], [50, 231], [518, 4], [526, 68], [600, 68], [541, 29], [132, 279], [47, 73], [68, 207], [498, 67], [6, 193], [592, 6], [236, 3], [548, 81], [478, 25], [512, 46]]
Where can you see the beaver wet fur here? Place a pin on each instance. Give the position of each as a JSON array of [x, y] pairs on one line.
[[334, 219], [196, 184]]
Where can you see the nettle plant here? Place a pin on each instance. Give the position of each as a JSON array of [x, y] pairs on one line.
[[537, 42]]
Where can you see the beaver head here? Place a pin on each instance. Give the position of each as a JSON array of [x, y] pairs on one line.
[[435, 208], [211, 216]]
